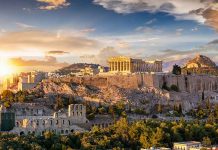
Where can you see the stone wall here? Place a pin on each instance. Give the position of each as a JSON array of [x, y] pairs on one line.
[[185, 83]]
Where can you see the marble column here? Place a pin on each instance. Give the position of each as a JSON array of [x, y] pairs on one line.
[[120, 66], [112, 66], [125, 66]]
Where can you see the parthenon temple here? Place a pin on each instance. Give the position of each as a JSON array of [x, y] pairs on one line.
[[129, 65]]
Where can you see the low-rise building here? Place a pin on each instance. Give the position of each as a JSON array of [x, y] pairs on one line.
[[30, 80], [89, 71], [186, 145]]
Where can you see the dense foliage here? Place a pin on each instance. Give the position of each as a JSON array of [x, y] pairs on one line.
[[8, 97], [176, 70], [121, 135]]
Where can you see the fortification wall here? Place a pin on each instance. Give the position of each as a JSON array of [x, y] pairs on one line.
[[128, 81], [188, 83]]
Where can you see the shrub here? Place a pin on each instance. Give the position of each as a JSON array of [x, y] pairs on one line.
[[174, 88], [165, 87]]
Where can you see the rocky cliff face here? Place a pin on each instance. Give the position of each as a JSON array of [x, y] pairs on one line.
[[121, 88], [185, 83]]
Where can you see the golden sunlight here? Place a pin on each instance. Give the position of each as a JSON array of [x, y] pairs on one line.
[[5, 68]]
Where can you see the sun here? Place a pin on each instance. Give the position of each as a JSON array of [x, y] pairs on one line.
[[5, 68]]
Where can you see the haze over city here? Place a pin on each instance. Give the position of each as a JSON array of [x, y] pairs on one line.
[[50, 34]]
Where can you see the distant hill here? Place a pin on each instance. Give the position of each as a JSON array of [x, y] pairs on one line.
[[75, 68], [168, 66], [202, 61], [213, 42]]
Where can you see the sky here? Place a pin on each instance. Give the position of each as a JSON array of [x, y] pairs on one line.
[[49, 34]]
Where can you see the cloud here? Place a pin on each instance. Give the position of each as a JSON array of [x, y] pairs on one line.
[[23, 25], [2, 30], [53, 4], [101, 57], [195, 29], [38, 42], [147, 30], [151, 21], [26, 9], [167, 55], [144, 29], [123, 45], [211, 18], [209, 49], [48, 61], [179, 31], [57, 52], [203, 11], [87, 30]]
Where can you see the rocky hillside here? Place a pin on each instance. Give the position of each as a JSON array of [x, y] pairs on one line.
[[145, 98]]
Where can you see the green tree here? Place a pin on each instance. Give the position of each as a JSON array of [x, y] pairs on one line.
[[165, 87], [208, 104], [157, 137], [144, 140], [7, 104], [159, 108], [174, 88], [21, 96], [101, 110], [8, 95], [206, 142], [59, 103], [176, 70]]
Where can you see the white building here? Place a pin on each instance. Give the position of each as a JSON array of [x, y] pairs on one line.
[[30, 80], [186, 145]]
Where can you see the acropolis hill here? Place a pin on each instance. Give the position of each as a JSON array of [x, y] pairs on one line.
[[127, 77], [126, 72]]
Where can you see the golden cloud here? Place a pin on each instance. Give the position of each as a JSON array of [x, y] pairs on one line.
[[48, 61], [53, 4], [57, 52], [32, 42], [211, 17]]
